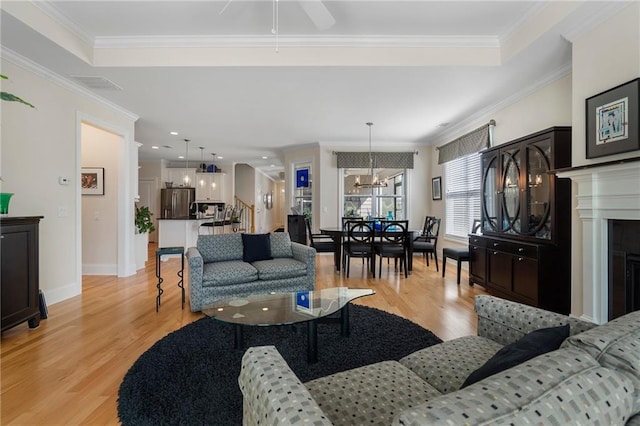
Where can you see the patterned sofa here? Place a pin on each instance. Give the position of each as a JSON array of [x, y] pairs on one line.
[[217, 270], [592, 379]]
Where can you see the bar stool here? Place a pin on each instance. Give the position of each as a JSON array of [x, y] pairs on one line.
[[460, 255], [166, 251]]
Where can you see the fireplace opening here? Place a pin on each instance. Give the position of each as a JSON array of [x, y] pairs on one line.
[[624, 267]]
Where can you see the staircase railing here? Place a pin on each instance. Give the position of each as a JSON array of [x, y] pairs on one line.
[[247, 220]]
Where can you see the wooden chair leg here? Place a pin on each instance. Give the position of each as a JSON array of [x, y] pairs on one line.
[[444, 264], [459, 267]]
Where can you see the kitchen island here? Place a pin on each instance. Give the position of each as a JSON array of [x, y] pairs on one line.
[[180, 231]]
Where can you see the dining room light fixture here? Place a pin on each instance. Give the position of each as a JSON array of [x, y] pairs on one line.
[[186, 163], [373, 180]]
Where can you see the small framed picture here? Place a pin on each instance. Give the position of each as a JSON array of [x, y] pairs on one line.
[[302, 178], [436, 188], [612, 120], [92, 180]]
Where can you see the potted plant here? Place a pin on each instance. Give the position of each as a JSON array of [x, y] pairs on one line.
[[144, 225], [144, 221]]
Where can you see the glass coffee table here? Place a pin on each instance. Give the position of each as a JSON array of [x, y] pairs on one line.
[[288, 308]]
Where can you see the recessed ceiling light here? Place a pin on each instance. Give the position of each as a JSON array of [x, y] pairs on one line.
[[173, 133], [264, 158], [181, 156], [273, 165], [220, 157], [155, 147]]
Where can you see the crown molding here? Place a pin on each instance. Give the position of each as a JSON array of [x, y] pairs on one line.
[[46, 7], [455, 131], [29, 65], [296, 41], [515, 27], [594, 17]]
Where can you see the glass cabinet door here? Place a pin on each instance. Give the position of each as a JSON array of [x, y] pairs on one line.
[[511, 167], [538, 190], [490, 202]]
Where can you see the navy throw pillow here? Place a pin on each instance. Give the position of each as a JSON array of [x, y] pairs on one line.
[[256, 247], [529, 346]]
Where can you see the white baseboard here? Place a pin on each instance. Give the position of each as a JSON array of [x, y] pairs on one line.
[[99, 269], [61, 293]]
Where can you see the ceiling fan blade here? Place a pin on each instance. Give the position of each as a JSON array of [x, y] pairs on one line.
[[225, 7], [318, 13]]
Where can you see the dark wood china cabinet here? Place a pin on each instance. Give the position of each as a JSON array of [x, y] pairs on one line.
[[524, 251], [19, 276]]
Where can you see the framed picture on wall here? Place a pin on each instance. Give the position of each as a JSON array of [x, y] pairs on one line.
[[612, 120], [302, 178], [92, 180], [436, 188]]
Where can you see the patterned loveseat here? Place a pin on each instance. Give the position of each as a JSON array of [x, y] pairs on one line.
[[592, 379], [217, 270]]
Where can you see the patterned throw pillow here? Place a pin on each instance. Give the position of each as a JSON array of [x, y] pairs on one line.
[[256, 247], [531, 345]]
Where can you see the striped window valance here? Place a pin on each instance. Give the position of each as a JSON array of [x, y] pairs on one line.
[[381, 160], [474, 141]]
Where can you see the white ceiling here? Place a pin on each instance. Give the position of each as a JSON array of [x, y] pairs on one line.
[[227, 83]]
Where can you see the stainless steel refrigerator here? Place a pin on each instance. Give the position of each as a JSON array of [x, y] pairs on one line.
[[176, 202]]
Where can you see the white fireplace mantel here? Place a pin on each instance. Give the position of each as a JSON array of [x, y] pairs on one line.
[[602, 193]]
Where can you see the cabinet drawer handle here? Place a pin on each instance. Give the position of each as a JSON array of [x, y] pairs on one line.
[[520, 259], [496, 244], [495, 252], [520, 250]]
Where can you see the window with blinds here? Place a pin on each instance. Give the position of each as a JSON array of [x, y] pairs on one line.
[[462, 194]]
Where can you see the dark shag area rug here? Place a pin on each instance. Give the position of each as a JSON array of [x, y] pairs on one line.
[[191, 375]]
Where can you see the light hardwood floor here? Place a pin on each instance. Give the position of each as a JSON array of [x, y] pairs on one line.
[[68, 370]]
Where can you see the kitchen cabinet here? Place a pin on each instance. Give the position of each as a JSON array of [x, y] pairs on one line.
[[19, 276], [524, 252], [209, 186], [177, 176]]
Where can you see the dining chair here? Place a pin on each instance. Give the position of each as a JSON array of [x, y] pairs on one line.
[[323, 243], [359, 244], [343, 243], [427, 242], [392, 243], [458, 254]]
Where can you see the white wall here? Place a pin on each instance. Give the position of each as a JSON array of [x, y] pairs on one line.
[[39, 146], [603, 58], [598, 65], [100, 212]]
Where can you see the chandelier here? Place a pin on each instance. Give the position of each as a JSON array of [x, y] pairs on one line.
[[374, 181]]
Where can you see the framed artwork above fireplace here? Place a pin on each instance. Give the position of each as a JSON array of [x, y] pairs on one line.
[[612, 119]]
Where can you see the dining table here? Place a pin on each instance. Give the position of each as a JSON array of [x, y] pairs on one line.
[[338, 232]]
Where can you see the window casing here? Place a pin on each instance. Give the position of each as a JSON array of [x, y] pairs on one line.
[[303, 196], [462, 194]]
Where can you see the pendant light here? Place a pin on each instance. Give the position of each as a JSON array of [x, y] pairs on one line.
[[203, 167], [186, 164]]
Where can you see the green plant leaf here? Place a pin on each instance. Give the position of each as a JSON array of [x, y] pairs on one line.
[[143, 220], [13, 98]]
